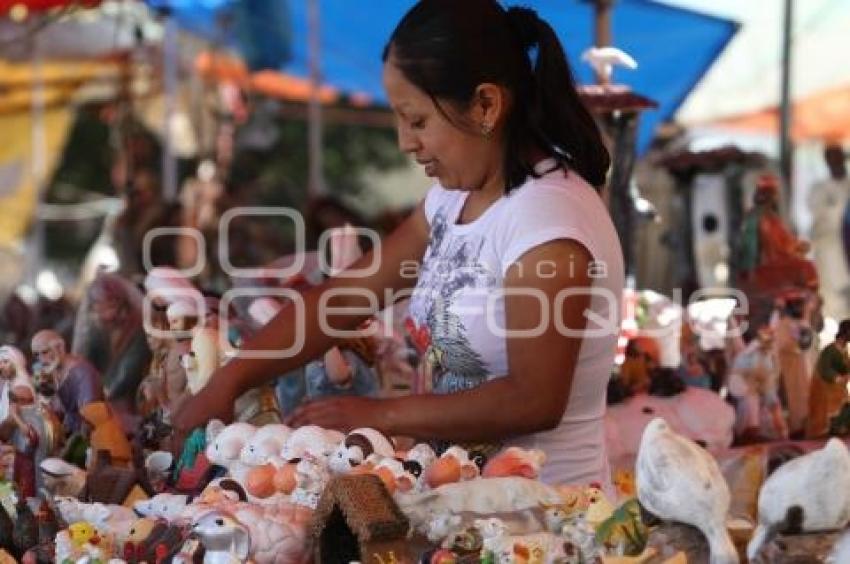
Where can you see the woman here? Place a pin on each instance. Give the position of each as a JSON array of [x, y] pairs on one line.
[[510, 239]]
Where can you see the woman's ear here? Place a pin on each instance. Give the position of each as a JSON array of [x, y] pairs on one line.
[[489, 106]]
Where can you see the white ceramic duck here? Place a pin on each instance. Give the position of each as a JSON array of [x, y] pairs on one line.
[[815, 487], [677, 480]]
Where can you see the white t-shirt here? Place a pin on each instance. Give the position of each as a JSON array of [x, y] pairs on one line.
[[456, 314]]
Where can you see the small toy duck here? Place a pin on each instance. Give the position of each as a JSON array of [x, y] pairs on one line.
[[82, 533]]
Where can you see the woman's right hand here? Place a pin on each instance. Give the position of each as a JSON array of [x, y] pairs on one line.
[[214, 401]]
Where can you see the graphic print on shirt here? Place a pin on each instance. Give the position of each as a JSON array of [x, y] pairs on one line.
[[451, 265]]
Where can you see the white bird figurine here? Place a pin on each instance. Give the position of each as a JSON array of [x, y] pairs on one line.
[[677, 480], [811, 492], [603, 60]]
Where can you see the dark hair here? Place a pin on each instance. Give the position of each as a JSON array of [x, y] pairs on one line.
[[448, 48]]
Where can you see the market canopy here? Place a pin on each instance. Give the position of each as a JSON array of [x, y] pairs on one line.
[[674, 47], [824, 116], [747, 77]]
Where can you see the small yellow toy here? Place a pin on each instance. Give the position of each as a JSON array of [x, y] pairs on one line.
[[82, 533]]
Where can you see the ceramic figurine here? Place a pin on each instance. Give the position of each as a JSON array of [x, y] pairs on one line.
[[166, 506], [106, 518], [278, 536], [109, 331], [358, 445], [453, 465], [70, 378], [82, 533], [107, 434], [766, 240], [677, 480], [25, 535], [520, 497], [265, 444], [599, 509], [48, 527], [224, 447], [310, 436], [81, 542], [207, 355], [311, 477], [582, 537], [812, 490], [515, 461], [61, 478], [544, 548], [394, 476], [225, 540], [623, 531]]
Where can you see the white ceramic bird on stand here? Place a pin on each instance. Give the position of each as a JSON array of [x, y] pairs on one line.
[[604, 59], [677, 480], [810, 493]]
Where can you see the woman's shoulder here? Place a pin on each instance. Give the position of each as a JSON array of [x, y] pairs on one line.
[[559, 188], [558, 199]]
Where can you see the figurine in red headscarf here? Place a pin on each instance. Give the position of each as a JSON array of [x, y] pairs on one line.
[[767, 245]]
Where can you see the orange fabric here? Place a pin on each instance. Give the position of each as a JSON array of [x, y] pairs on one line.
[[824, 116], [776, 242], [274, 84]]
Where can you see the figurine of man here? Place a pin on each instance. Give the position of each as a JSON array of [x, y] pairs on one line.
[[73, 379], [827, 202]]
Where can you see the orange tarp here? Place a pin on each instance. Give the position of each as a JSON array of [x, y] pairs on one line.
[[822, 116], [270, 83]]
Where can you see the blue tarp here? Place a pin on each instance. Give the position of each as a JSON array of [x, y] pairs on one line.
[[673, 47]]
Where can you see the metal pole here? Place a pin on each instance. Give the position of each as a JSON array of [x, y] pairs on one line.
[[38, 161], [602, 28], [316, 184], [785, 117], [602, 22], [170, 66]]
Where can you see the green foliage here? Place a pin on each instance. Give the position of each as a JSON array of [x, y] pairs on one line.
[[282, 171]]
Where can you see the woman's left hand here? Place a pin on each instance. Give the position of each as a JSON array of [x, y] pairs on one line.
[[342, 413]]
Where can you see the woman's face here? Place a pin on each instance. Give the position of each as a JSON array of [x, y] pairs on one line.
[[454, 152]]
